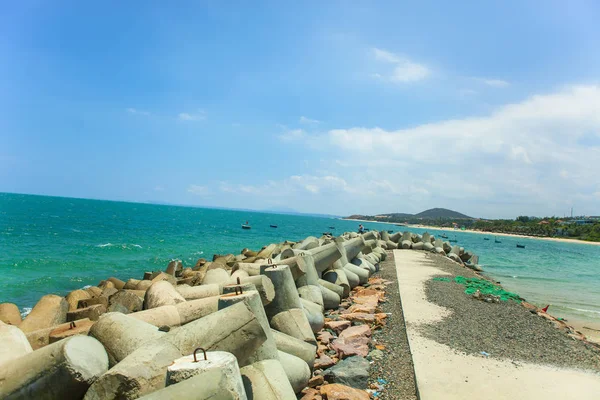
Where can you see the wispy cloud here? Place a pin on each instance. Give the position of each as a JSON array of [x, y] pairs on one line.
[[200, 115], [308, 121], [521, 151], [198, 190], [136, 111], [291, 135], [499, 83], [403, 70]]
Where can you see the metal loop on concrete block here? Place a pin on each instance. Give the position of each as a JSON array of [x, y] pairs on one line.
[[203, 351]]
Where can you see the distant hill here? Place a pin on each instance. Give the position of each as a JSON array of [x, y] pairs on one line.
[[441, 213], [431, 214]]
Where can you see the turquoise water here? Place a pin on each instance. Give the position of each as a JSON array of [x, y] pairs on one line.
[[55, 245]]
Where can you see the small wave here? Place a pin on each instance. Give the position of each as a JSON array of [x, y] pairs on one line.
[[87, 287], [25, 312], [105, 245], [137, 245], [75, 230], [583, 310]]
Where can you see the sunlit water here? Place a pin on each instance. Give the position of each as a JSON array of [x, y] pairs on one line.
[[55, 245]]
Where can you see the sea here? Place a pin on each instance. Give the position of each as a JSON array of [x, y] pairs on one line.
[[56, 245]]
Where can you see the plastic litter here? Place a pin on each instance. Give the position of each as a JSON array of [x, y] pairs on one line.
[[486, 288], [483, 353]]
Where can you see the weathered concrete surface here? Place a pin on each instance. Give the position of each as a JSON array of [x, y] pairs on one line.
[[441, 372], [49, 311], [10, 314], [13, 343], [41, 337], [266, 380], [62, 370]]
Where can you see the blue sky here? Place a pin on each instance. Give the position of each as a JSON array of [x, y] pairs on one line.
[[333, 107]]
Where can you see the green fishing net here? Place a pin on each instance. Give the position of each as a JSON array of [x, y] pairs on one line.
[[441, 279], [485, 287]]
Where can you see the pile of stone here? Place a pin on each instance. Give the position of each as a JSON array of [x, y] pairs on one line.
[[427, 242], [346, 348], [239, 326]]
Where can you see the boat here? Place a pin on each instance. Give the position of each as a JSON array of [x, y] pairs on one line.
[[521, 246], [390, 231], [486, 238], [444, 236], [244, 226], [273, 226], [453, 240], [332, 227], [496, 240]]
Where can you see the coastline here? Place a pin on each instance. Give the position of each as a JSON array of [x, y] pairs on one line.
[[419, 226]]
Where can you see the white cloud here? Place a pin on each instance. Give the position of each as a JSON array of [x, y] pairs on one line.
[[515, 160], [402, 70], [305, 120], [200, 115], [498, 83], [198, 190], [159, 189], [136, 111], [292, 135]]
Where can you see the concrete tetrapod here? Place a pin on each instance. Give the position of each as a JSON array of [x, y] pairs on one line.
[[362, 273], [62, 370], [331, 299], [217, 275], [297, 371], [263, 284], [14, 343], [235, 329], [294, 323], [41, 337], [198, 292], [314, 314], [75, 296], [161, 293], [406, 242], [337, 289], [353, 279], [159, 316], [79, 327], [121, 335], [266, 380], [286, 294], [312, 293], [338, 277], [363, 262], [382, 254], [49, 311], [140, 373], [201, 362], [267, 350], [419, 246], [439, 247], [207, 385], [309, 243], [295, 347], [10, 314]]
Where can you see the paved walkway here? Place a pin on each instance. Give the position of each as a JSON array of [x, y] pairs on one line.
[[443, 373]]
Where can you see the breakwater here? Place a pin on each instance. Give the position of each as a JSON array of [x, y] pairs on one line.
[[257, 315]]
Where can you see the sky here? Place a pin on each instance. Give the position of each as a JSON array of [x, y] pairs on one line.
[[339, 107]]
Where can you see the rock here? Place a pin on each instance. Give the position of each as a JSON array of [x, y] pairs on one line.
[[325, 337], [324, 361], [49, 311], [311, 394], [337, 326], [129, 300], [359, 317], [353, 341], [353, 371], [93, 313], [376, 355], [316, 381], [162, 293], [340, 392], [75, 297]]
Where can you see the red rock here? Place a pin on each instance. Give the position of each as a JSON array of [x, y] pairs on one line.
[[337, 326], [376, 281], [349, 349], [311, 394], [367, 300], [380, 318], [359, 331], [360, 317], [335, 391], [321, 348], [316, 381], [369, 292], [324, 361], [325, 337], [362, 308]]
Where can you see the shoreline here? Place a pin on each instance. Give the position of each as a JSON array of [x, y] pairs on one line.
[[419, 226]]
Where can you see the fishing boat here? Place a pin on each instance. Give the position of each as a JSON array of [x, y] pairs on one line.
[[390, 231], [244, 226], [444, 236], [332, 227], [273, 226], [496, 240], [453, 240], [521, 246], [486, 238]]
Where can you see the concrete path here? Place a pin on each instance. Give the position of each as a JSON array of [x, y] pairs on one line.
[[443, 373]]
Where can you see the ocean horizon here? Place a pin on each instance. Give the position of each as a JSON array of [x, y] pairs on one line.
[[57, 244]]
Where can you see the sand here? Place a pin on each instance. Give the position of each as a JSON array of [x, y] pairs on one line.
[[445, 373]]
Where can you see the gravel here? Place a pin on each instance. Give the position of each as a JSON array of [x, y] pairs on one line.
[[504, 330], [396, 365]]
